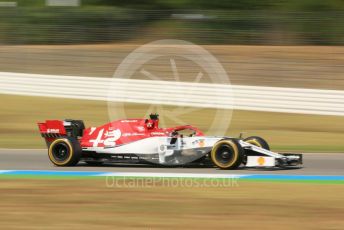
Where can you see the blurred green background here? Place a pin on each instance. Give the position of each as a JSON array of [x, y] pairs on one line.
[[281, 22]]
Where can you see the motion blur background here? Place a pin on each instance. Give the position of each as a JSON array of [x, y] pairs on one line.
[[274, 43], [295, 43], [246, 22]]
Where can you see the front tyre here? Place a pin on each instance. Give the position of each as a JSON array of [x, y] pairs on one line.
[[64, 152], [257, 141], [227, 154]]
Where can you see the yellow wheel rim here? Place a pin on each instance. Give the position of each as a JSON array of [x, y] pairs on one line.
[[50, 152], [216, 147]]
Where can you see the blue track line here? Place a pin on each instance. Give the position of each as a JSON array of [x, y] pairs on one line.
[[49, 173], [172, 175], [296, 177]]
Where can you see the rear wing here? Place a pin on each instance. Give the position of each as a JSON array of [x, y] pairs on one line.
[[53, 129]]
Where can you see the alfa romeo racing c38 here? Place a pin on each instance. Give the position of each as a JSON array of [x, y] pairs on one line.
[[143, 141]]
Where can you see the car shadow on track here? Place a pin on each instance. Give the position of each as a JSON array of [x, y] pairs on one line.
[[126, 165], [123, 165]]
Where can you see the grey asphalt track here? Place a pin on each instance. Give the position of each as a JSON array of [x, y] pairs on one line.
[[314, 164]]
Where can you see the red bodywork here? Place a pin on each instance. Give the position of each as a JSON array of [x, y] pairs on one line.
[[52, 129], [114, 133]]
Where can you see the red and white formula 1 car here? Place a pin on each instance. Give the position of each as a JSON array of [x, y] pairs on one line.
[[142, 140]]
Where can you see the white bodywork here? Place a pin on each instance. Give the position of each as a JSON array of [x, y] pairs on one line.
[[163, 148]]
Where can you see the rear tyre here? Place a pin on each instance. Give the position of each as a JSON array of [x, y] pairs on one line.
[[257, 141], [227, 154], [64, 152]]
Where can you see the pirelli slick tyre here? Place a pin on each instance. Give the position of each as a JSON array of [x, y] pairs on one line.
[[257, 141], [64, 152], [227, 154]]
